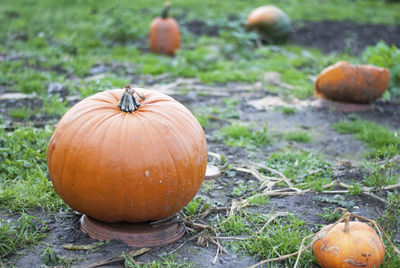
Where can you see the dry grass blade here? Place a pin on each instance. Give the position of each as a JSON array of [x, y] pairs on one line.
[[268, 182], [78, 247]]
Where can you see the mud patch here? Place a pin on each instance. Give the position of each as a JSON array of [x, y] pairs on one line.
[[340, 36]]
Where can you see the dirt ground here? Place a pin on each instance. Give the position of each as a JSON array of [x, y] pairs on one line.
[[338, 148]]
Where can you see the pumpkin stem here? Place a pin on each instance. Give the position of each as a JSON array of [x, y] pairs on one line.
[[128, 102], [347, 224], [164, 13]]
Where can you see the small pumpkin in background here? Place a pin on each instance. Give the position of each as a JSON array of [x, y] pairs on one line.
[[271, 23], [164, 37], [141, 160], [349, 244], [352, 83]]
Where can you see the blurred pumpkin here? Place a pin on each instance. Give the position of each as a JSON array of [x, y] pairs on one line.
[[120, 164], [271, 23], [164, 37], [349, 244], [352, 83]]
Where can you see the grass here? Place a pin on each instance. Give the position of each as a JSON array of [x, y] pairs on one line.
[[25, 231], [383, 142], [258, 200], [302, 166], [20, 113], [51, 258], [238, 135], [391, 216], [298, 136], [281, 237], [379, 175], [235, 225], [193, 207], [23, 171], [287, 110], [331, 215]]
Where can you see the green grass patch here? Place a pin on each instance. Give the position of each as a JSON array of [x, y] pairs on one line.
[[26, 230], [238, 135], [298, 136], [379, 175], [235, 225], [23, 171], [383, 142], [20, 113], [301, 167], [287, 110], [281, 237]]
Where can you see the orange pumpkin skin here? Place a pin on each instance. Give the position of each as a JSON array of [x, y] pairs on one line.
[[164, 37], [359, 247], [133, 167], [352, 83]]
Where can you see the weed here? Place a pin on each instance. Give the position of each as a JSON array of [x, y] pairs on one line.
[[299, 136], [330, 214], [193, 207], [51, 258], [355, 189], [378, 176], [391, 216], [242, 188], [337, 199]]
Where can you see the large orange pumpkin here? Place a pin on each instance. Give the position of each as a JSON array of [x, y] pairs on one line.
[[164, 37], [120, 166], [349, 245], [352, 83]]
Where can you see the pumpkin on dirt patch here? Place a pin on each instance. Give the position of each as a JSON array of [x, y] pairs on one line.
[[271, 23], [164, 37], [352, 83], [143, 159], [349, 244]]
